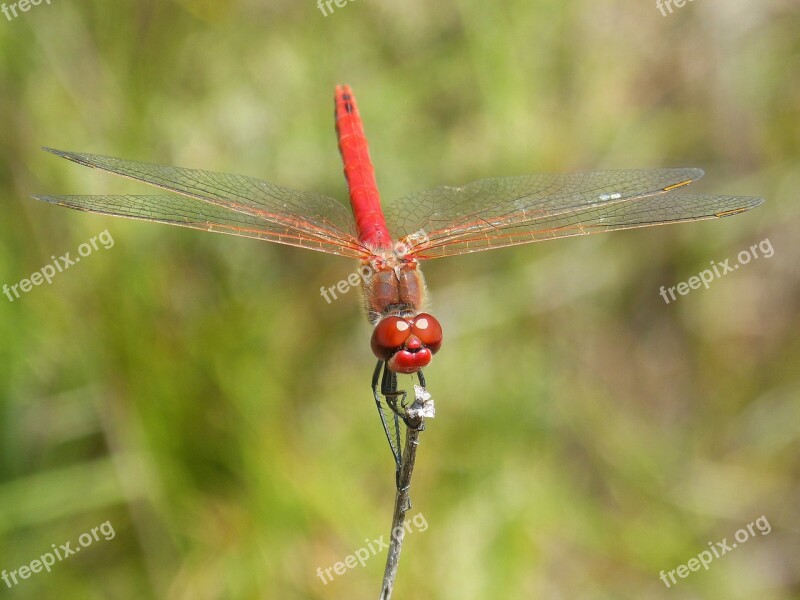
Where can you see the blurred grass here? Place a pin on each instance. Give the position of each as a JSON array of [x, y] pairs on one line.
[[196, 390]]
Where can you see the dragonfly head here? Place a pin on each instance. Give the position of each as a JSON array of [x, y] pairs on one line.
[[406, 344]]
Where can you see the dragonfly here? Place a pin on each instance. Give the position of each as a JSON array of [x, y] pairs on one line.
[[391, 244]]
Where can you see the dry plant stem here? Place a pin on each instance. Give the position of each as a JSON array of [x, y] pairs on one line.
[[402, 504]]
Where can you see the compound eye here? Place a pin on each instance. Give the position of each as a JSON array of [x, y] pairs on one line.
[[388, 337], [428, 330]]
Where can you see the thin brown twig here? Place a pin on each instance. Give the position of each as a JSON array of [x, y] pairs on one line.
[[414, 418], [402, 504]]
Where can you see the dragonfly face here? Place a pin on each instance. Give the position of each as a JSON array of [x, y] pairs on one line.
[[407, 344]]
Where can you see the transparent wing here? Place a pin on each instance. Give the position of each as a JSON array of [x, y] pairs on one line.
[[494, 213], [234, 204]]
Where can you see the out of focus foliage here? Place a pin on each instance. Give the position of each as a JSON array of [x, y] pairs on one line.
[[197, 391]]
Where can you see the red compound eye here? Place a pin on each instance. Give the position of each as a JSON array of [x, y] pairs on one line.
[[389, 336], [428, 330]]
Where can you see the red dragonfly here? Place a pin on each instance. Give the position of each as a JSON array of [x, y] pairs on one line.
[[438, 222]]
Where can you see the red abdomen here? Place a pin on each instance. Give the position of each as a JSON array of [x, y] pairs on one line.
[[359, 172]]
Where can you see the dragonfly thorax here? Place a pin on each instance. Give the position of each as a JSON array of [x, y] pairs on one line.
[[394, 286]]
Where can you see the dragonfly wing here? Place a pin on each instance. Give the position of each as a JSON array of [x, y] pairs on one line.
[[186, 212], [494, 213], [234, 204]]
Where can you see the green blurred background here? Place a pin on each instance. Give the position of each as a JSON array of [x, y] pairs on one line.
[[197, 391]]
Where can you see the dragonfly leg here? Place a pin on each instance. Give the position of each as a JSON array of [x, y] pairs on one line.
[[421, 378], [411, 413], [393, 446], [391, 394], [396, 399]]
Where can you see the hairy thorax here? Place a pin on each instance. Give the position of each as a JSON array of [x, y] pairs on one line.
[[395, 286]]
